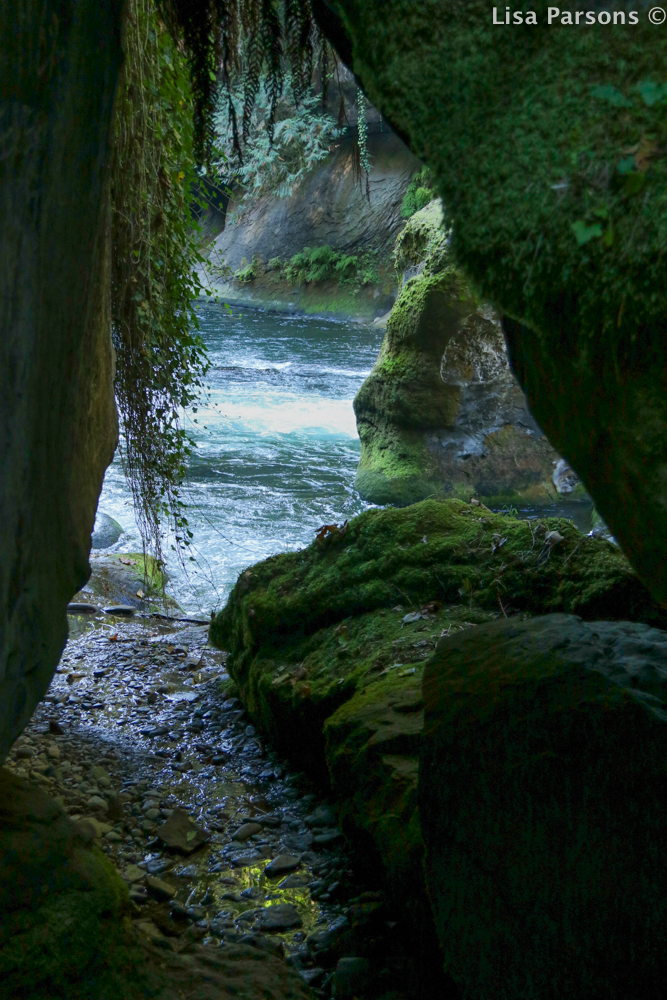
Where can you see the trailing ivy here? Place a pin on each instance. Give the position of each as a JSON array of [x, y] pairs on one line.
[[160, 358], [362, 134]]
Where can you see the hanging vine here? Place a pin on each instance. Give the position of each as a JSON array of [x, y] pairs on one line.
[[362, 139], [160, 358]]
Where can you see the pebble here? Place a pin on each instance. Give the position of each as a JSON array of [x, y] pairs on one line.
[[281, 917], [247, 830], [283, 863], [100, 764], [160, 889]]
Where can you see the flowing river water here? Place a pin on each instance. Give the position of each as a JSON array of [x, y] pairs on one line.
[[277, 447]]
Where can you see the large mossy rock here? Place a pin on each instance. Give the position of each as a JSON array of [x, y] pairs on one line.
[[441, 412], [547, 141], [64, 906], [542, 803], [328, 664]]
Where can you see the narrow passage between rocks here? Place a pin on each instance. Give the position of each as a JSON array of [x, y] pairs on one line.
[[219, 843]]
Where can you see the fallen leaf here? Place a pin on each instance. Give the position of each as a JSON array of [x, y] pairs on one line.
[[114, 637], [140, 593], [127, 562]]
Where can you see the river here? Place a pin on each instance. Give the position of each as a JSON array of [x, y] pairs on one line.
[[277, 447]]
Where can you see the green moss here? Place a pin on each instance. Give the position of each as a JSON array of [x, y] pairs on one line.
[[380, 557], [423, 240], [148, 567], [570, 113], [294, 665], [75, 944], [548, 142]]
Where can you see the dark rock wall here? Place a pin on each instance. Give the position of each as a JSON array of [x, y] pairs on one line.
[[58, 424], [541, 799], [563, 235]]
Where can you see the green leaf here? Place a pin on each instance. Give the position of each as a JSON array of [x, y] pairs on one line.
[[651, 92], [613, 96], [584, 233]]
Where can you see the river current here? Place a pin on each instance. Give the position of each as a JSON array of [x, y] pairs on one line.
[[277, 446]]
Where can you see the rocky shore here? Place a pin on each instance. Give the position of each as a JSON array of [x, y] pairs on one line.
[[229, 860]]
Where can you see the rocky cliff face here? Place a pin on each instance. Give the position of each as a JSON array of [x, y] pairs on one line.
[[441, 413], [329, 208], [57, 413]]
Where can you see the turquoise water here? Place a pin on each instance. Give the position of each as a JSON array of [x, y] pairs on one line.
[[277, 446]]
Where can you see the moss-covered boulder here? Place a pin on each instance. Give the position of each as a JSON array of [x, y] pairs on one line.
[[542, 807], [322, 642], [328, 646], [547, 141], [441, 412], [64, 930]]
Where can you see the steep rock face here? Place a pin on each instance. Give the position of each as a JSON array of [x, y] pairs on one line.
[[328, 208], [541, 798], [57, 414], [566, 241], [441, 412]]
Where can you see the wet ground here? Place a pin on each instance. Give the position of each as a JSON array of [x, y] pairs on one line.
[[218, 840]]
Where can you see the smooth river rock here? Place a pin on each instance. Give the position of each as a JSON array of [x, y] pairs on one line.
[[542, 789]]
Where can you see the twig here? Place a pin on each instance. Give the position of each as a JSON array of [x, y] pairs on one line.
[[501, 606]]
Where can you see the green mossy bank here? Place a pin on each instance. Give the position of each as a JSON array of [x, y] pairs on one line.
[[64, 932], [327, 645]]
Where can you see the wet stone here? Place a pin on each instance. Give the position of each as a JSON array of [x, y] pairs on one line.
[[281, 917], [282, 864], [160, 889], [247, 830], [181, 833]]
